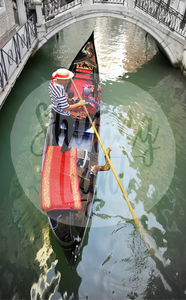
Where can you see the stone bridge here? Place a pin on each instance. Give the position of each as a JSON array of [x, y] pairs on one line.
[[169, 40], [165, 24]]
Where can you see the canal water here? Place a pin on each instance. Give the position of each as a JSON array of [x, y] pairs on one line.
[[143, 120]]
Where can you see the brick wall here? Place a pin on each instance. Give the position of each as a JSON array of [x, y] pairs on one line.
[[7, 20]]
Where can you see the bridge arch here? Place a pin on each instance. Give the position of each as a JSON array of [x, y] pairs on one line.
[[170, 43]]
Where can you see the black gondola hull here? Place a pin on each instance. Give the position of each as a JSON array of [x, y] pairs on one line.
[[69, 226]]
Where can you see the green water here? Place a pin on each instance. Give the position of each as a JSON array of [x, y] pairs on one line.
[[143, 120]]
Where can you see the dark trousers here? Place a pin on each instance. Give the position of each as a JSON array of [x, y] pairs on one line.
[[68, 121]]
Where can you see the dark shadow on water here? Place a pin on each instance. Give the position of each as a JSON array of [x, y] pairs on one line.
[[70, 280], [151, 73]]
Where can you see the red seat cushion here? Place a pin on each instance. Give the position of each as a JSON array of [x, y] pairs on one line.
[[59, 180]]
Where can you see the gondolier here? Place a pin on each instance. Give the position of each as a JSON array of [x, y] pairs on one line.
[[60, 107]]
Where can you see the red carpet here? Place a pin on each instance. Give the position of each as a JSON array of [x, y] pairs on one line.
[[59, 180]]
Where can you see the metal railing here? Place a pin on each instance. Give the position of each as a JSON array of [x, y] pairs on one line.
[[164, 14], [157, 9], [12, 53], [51, 8]]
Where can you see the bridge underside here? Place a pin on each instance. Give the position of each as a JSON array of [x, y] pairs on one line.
[[169, 42]]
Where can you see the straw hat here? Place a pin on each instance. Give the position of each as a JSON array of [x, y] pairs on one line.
[[63, 74]]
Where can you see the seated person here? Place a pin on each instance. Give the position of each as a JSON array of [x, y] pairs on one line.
[[71, 96], [86, 93]]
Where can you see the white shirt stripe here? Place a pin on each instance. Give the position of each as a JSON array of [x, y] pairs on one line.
[[58, 98]]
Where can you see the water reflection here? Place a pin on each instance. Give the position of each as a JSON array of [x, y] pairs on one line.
[[21, 239], [120, 269], [114, 254], [43, 126], [144, 133], [47, 285], [148, 138], [143, 146], [127, 46], [33, 264], [27, 149]]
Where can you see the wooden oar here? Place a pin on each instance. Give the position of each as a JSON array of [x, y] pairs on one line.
[[141, 229]]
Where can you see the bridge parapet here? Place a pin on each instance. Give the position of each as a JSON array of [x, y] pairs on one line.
[[165, 24], [164, 14]]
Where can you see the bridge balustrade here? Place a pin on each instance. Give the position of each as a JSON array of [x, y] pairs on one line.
[[157, 9], [13, 51], [164, 14], [53, 8]]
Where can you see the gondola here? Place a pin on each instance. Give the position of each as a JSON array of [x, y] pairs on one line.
[[68, 181]]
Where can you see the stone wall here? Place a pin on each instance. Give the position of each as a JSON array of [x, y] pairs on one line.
[[7, 20]]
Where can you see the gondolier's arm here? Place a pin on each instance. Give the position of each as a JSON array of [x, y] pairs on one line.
[[79, 104]]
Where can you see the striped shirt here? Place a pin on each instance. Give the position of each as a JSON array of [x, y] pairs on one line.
[[58, 99]]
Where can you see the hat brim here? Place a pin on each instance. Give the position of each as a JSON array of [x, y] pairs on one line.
[[70, 75]]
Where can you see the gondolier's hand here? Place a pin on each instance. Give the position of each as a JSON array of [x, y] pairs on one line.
[[76, 105], [81, 102]]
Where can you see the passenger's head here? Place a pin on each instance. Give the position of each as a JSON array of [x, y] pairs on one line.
[[86, 91], [70, 94]]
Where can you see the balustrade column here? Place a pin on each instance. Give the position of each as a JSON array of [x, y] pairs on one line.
[[21, 12]]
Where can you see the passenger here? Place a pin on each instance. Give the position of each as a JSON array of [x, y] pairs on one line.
[[71, 96], [86, 93], [60, 107]]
